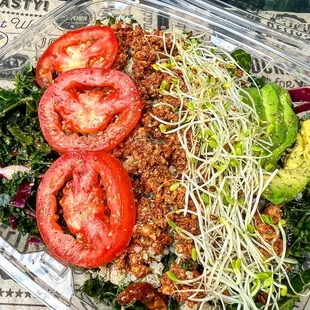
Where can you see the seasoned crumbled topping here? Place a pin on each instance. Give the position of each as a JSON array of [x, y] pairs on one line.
[[153, 160]]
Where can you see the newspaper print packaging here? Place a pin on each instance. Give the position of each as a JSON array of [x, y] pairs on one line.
[[18, 15]]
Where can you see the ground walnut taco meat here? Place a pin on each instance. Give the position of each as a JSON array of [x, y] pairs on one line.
[[153, 160]]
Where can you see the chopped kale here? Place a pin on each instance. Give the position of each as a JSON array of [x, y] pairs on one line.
[[106, 292], [243, 59], [259, 82], [297, 217], [286, 303], [21, 139], [173, 304], [101, 291], [168, 260], [187, 265], [22, 143]]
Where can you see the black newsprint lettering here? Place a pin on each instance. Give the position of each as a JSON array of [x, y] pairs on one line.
[[3, 24], [27, 4], [37, 4], [280, 82], [42, 44], [16, 4], [147, 20], [46, 5], [162, 22], [266, 69], [288, 83], [4, 3], [19, 24], [180, 26], [285, 29], [278, 71], [299, 83], [256, 68]]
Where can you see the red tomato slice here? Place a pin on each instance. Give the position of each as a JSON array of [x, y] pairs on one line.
[[102, 224], [92, 46], [76, 111]]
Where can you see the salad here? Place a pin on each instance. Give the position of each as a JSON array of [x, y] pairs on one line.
[[158, 163]]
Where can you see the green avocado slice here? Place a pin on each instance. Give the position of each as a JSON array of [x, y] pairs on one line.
[[286, 185], [291, 125], [294, 177], [274, 113], [258, 101]]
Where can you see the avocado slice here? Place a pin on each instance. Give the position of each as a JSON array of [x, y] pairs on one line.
[[291, 124], [274, 113], [293, 160], [295, 175], [274, 107], [305, 134], [286, 185], [254, 93]]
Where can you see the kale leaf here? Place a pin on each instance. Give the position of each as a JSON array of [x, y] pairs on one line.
[[21, 140], [22, 143], [106, 292], [243, 59], [297, 216], [173, 304], [168, 260], [301, 282], [286, 303], [259, 81]]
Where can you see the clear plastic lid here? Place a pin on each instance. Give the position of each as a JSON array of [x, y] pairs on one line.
[[283, 58]]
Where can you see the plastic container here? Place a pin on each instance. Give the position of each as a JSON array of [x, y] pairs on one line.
[[280, 57]]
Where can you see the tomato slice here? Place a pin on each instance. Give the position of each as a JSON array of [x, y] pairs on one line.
[[91, 46], [102, 224], [89, 109]]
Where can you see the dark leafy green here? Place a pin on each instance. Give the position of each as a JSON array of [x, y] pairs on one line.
[[106, 292], [168, 260], [21, 140], [297, 216], [173, 304], [301, 282], [101, 291], [187, 265], [259, 81], [286, 303], [22, 143], [243, 59]]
